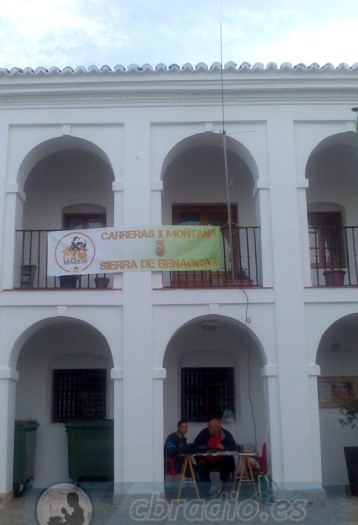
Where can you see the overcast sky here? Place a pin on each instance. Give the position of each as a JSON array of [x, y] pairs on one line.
[[109, 32]]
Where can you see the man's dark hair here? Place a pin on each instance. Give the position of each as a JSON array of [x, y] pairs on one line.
[[181, 422]]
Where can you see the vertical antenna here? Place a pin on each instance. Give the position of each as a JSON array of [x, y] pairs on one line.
[[226, 169], [222, 78]]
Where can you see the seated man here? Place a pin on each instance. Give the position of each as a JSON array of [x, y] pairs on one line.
[[215, 438], [175, 445]]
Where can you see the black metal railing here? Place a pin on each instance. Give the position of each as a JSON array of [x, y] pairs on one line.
[[31, 265], [333, 253], [241, 263]]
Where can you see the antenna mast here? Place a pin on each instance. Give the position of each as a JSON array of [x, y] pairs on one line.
[[226, 169]]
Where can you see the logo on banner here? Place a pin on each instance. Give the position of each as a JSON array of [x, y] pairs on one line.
[[159, 248], [75, 252]]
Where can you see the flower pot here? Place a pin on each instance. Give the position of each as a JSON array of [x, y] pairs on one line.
[[101, 282], [68, 281], [334, 277]]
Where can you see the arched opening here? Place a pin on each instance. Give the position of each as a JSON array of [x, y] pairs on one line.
[[332, 215], [199, 190], [213, 366], [64, 374], [337, 357], [68, 185]]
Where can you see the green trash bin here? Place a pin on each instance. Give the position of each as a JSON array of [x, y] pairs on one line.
[[24, 454], [90, 450]]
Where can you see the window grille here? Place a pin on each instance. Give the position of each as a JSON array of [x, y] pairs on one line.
[[206, 393], [79, 394]]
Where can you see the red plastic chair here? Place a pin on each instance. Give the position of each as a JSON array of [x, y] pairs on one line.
[[169, 469], [259, 463]]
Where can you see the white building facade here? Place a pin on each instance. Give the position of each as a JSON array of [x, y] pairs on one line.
[[145, 146]]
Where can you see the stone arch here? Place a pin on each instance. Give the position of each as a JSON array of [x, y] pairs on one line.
[[60, 344], [47, 323], [211, 140], [198, 162], [215, 320], [331, 171], [347, 138], [219, 341], [55, 145], [337, 357], [337, 148]]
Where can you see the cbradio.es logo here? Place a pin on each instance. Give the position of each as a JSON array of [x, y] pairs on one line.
[[64, 503]]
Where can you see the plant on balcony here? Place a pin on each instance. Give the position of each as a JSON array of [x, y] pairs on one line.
[[68, 281], [242, 274], [349, 414], [241, 278], [101, 282], [334, 277]]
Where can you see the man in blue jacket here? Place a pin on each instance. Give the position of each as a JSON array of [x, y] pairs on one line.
[[175, 445]]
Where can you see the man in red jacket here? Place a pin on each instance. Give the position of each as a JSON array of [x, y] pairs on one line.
[[215, 439]]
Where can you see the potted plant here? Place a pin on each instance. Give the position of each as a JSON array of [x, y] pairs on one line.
[[101, 282], [241, 278], [350, 418], [334, 277], [68, 281], [349, 414]]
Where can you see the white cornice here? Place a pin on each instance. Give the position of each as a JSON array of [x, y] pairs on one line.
[[185, 97], [162, 85]]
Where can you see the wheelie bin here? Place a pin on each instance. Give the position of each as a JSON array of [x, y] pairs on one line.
[[24, 454], [90, 450]]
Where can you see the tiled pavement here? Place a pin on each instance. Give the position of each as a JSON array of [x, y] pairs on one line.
[[336, 509]]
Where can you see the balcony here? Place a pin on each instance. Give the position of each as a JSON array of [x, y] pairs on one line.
[[333, 253], [329, 251], [245, 247], [31, 264]]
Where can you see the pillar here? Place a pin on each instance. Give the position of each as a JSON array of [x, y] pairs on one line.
[[8, 379]]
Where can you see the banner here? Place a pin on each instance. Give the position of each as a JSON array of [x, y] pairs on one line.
[[155, 248]]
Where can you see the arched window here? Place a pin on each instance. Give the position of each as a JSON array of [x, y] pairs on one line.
[[84, 216]]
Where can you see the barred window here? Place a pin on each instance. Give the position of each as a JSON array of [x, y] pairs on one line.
[[78, 394], [206, 392]]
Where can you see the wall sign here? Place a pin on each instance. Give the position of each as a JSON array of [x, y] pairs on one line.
[[154, 248], [336, 391]]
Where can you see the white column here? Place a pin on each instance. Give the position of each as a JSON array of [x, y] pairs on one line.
[[313, 372], [302, 185], [8, 379], [117, 376], [262, 203], [137, 381], [138, 421], [118, 216], [270, 376], [156, 219], [292, 353], [13, 220], [159, 374]]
